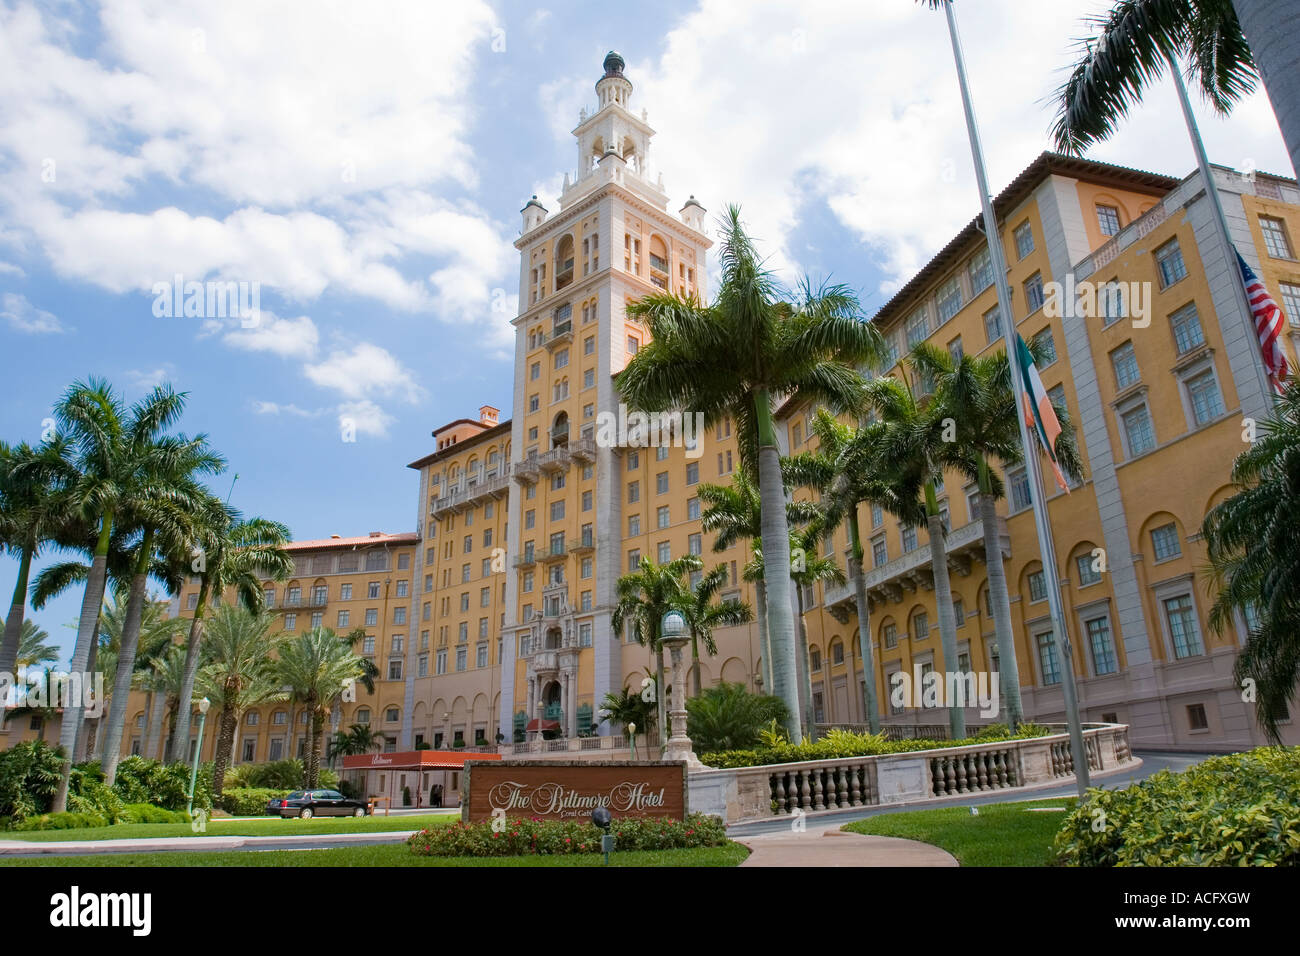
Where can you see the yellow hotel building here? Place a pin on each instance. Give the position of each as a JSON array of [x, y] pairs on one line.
[[493, 616]]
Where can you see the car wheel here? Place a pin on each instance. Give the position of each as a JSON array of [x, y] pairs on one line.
[[359, 812], [304, 813]]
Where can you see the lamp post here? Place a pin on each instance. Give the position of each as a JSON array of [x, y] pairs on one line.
[[672, 629], [204, 704]]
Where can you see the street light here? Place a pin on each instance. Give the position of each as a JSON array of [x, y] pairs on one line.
[[602, 818], [204, 704], [672, 627]]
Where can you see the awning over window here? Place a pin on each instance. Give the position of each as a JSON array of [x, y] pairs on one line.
[[534, 725]]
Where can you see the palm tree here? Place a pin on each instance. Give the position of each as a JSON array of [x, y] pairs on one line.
[[1138, 40], [232, 553], [729, 717], [237, 674], [845, 472], [33, 649], [733, 358], [910, 446], [33, 510], [804, 574], [317, 667], [976, 394], [163, 681], [357, 739], [111, 448], [628, 708], [644, 597], [704, 614], [1253, 542]]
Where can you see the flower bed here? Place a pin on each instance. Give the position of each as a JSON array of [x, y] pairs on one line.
[[519, 837]]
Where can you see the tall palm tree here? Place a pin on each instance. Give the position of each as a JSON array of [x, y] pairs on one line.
[[1136, 42], [112, 448], [237, 674], [33, 510], [976, 393], [33, 649], [163, 681], [704, 614], [233, 552], [812, 569], [317, 667], [733, 358], [911, 446], [644, 597], [845, 472], [1253, 541]]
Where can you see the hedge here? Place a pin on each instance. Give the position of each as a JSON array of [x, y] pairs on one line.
[[247, 801], [521, 837], [1237, 810], [838, 744]]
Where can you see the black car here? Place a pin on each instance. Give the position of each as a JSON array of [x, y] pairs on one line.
[[317, 803]]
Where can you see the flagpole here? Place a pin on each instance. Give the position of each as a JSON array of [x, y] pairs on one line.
[[1221, 221], [1038, 500]]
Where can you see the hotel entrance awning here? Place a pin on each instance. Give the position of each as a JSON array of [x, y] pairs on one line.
[[415, 760], [535, 725]]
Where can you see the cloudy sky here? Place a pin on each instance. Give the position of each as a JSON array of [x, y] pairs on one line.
[[365, 163]]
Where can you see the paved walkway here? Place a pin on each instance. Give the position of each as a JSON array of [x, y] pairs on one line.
[[830, 846], [306, 841]]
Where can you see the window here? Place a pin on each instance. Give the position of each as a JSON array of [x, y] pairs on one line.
[[949, 300], [662, 517], [1103, 647], [1037, 586], [1024, 236], [399, 615], [1164, 542], [879, 552], [372, 616], [980, 270], [557, 510], [921, 626], [1048, 664], [665, 552], [891, 635], [955, 350], [917, 327], [462, 658], [993, 325], [1045, 342], [1110, 300], [290, 622], [1291, 301], [440, 662], [1088, 574], [1186, 325], [1138, 431], [633, 525], [1183, 629], [395, 669], [1107, 219], [562, 360], [633, 344], [368, 644], [1203, 395], [1169, 261], [481, 655], [535, 371], [661, 483], [814, 659], [1275, 237], [589, 345], [372, 589], [1124, 362], [633, 492], [1020, 498], [584, 630], [633, 560], [909, 540], [1034, 293]]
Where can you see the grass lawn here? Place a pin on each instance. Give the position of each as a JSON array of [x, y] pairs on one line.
[[397, 854], [251, 826], [1004, 834]]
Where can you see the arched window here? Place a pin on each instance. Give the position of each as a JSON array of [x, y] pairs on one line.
[[564, 262], [560, 430], [362, 716]]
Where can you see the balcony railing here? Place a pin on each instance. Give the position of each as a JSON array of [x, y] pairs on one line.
[[911, 571], [584, 449], [462, 496], [557, 459], [583, 544], [525, 560]]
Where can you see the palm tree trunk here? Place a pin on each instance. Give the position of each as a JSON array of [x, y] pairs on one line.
[[947, 620], [764, 643], [1277, 56], [126, 662], [804, 667], [695, 663], [661, 696], [313, 750], [92, 601], [86, 736], [776, 567], [14, 621], [153, 735], [1000, 604], [225, 745], [869, 702], [181, 732]]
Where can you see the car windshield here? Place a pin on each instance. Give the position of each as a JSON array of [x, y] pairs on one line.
[[297, 795]]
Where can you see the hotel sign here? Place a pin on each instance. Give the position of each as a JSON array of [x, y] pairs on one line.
[[570, 790]]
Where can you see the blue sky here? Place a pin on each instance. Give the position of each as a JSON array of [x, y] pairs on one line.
[[367, 168]]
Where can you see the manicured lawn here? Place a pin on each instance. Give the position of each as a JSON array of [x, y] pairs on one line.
[[1004, 834], [389, 855], [252, 826]]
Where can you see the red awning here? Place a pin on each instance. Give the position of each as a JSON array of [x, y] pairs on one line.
[[534, 725], [415, 760]]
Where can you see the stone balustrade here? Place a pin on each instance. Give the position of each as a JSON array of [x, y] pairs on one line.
[[756, 793]]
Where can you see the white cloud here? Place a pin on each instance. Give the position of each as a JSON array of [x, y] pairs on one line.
[[363, 418], [275, 408], [25, 317], [362, 371], [9, 269], [288, 338], [144, 380]]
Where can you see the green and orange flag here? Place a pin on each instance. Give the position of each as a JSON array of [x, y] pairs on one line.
[[1040, 416]]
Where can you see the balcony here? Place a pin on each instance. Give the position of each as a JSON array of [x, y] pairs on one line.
[[544, 661], [583, 450], [464, 496], [583, 545], [525, 560], [525, 472], [557, 459], [561, 332], [556, 552], [892, 581]]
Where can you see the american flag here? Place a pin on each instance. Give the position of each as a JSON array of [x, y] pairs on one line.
[[1268, 324]]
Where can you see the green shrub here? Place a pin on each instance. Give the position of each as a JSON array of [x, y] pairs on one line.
[[94, 796], [1237, 810], [29, 776], [729, 717], [277, 775], [63, 821], [843, 743], [564, 837], [162, 785], [148, 813], [248, 801]]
